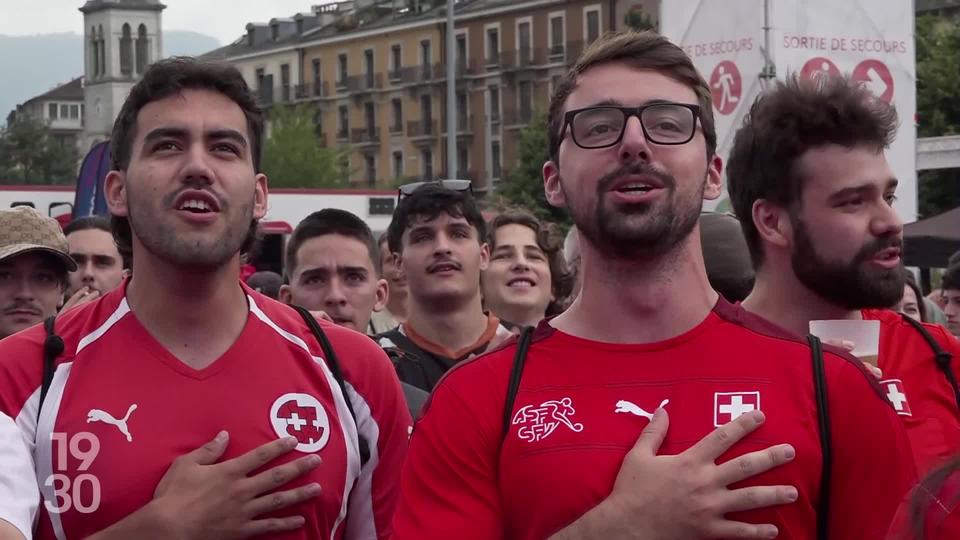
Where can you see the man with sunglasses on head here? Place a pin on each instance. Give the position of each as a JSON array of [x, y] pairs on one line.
[[572, 442], [438, 235]]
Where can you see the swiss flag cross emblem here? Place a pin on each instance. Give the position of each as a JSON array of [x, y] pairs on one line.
[[893, 389], [728, 406]]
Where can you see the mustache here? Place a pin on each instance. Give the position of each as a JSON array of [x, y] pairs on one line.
[[635, 169], [23, 306], [170, 198], [876, 246]]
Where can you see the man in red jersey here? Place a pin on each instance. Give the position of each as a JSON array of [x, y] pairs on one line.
[[585, 455], [810, 182], [184, 404]]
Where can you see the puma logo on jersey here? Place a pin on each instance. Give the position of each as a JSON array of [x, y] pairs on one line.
[[624, 406], [96, 415]]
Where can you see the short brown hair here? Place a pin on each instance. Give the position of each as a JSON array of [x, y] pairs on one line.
[[783, 124], [167, 78], [550, 243], [640, 50]]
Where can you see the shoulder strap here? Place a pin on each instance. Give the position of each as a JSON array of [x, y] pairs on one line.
[[941, 356], [334, 365], [516, 373], [823, 423], [52, 348]]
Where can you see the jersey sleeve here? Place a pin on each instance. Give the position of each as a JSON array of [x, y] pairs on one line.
[[383, 420], [872, 467], [20, 373], [449, 483]]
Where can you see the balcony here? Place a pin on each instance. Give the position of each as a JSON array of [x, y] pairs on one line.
[[422, 129], [418, 74], [517, 117], [343, 135], [365, 136], [364, 83], [464, 126], [396, 129], [466, 68], [312, 90]]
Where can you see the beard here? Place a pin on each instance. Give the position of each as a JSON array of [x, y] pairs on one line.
[[641, 230], [197, 250], [853, 285]]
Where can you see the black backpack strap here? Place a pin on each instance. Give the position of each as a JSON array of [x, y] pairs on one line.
[[334, 365], [52, 348], [516, 373], [941, 356], [823, 423]]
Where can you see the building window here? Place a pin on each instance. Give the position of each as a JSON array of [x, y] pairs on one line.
[[285, 81], [126, 51], [463, 163], [94, 52], [274, 31], [398, 164], [368, 67], [462, 120], [556, 36], [593, 25], [426, 113], [526, 101], [371, 169], [425, 57], [397, 106], [493, 47], [74, 112], [318, 125], [395, 62], [317, 78], [143, 49], [524, 40], [102, 50], [52, 111], [461, 53], [342, 69], [344, 122], [495, 104], [426, 158], [64, 111], [495, 158], [370, 114]]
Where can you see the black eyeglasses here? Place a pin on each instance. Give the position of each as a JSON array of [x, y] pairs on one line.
[[453, 185], [603, 126]]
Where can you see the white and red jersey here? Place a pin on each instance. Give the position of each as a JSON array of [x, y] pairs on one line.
[[582, 405], [121, 408]]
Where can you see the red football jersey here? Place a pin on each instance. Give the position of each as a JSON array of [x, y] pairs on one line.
[[121, 408], [582, 405], [918, 389]]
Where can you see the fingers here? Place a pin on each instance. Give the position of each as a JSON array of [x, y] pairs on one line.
[[874, 370], [751, 498], [721, 439], [736, 529], [261, 455], [83, 295], [754, 463], [282, 499], [272, 526], [652, 436], [281, 474], [209, 453]]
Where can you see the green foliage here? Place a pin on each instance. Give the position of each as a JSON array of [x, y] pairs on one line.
[[637, 20], [523, 186], [293, 156], [31, 154], [938, 105]]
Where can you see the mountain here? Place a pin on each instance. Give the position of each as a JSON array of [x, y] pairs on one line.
[[31, 65]]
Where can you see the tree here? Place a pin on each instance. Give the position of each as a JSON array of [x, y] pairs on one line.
[[938, 105], [293, 155], [636, 19], [523, 185], [31, 154]]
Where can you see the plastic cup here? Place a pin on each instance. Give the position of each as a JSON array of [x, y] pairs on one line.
[[865, 336]]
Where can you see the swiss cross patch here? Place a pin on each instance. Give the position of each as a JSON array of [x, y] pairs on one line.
[[302, 417], [893, 389], [728, 406]]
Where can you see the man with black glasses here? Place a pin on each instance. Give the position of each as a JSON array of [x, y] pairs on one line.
[[438, 235], [564, 434]]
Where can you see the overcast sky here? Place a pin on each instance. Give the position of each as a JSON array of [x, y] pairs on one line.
[[220, 19]]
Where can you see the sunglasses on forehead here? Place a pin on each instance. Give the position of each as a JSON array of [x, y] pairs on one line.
[[453, 185]]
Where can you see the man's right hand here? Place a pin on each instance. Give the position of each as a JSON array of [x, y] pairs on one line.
[[686, 496], [200, 498]]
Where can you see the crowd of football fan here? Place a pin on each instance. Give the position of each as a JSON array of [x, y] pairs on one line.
[[534, 364]]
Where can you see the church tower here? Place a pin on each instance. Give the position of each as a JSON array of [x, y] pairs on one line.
[[121, 38]]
